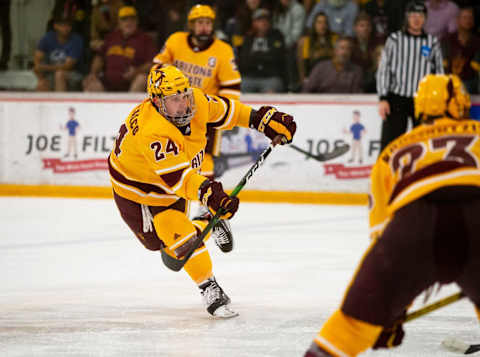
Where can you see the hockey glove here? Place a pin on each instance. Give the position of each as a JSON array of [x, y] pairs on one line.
[[390, 337], [211, 194], [272, 123]]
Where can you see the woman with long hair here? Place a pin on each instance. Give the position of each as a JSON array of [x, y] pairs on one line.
[[316, 46]]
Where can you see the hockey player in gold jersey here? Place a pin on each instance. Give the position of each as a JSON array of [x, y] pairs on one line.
[[209, 64], [424, 204], [154, 170]]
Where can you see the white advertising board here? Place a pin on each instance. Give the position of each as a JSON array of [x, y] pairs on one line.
[[37, 148]]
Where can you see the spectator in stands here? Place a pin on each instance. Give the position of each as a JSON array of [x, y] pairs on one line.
[[237, 27], [262, 57], [58, 56], [460, 48], [289, 19], [6, 34], [385, 16], [363, 50], [316, 46], [77, 10], [104, 20], [341, 15], [171, 13], [308, 5], [124, 59], [442, 17], [338, 75]]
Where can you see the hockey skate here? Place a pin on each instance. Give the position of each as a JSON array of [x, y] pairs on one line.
[[221, 233], [216, 301]]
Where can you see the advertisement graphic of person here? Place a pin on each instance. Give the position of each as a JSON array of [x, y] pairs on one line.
[[357, 130], [71, 126]]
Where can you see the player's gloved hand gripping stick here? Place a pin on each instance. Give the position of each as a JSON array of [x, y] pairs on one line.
[[177, 264]]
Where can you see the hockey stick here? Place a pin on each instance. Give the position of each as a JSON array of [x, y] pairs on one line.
[[452, 344], [434, 306], [177, 264], [336, 152]]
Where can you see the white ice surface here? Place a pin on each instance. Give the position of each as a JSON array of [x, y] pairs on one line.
[[75, 282]]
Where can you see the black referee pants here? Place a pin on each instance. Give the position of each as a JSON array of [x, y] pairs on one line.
[[396, 123]]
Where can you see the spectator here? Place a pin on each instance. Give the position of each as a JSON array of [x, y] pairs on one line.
[[460, 48], [338, 75], [77, 10], [124, 58], [308, 5], [262, 57], [289, 19], [363, 51], [6, 34], [442, 17], [385, 16], [341, 15], [58, 56], [104, 20], [171, 13], [237, 27], [316, 46]]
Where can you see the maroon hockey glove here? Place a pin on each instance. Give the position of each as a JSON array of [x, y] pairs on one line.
[[211, 194], [390, 337], [272, 123]]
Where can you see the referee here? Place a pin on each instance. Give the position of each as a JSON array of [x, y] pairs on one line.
[[408, 56]]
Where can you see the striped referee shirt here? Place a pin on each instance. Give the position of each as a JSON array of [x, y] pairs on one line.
[[405, 60]]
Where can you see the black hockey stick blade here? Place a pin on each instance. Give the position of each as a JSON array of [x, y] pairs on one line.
[[472, 349], [336, 152], [455, 345], [177, 264]]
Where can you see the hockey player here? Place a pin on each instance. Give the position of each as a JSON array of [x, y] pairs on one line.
[[425, 199], [154, 170], [209, 64]]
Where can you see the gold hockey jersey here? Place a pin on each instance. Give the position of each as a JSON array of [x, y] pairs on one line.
[[431, 156], [154, 163], [213, 70]]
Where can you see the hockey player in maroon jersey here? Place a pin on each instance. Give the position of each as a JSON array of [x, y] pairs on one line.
[[425, 199]]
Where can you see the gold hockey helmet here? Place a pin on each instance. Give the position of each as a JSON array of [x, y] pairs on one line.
[[199, 11], [171, 86], [441, 95]]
